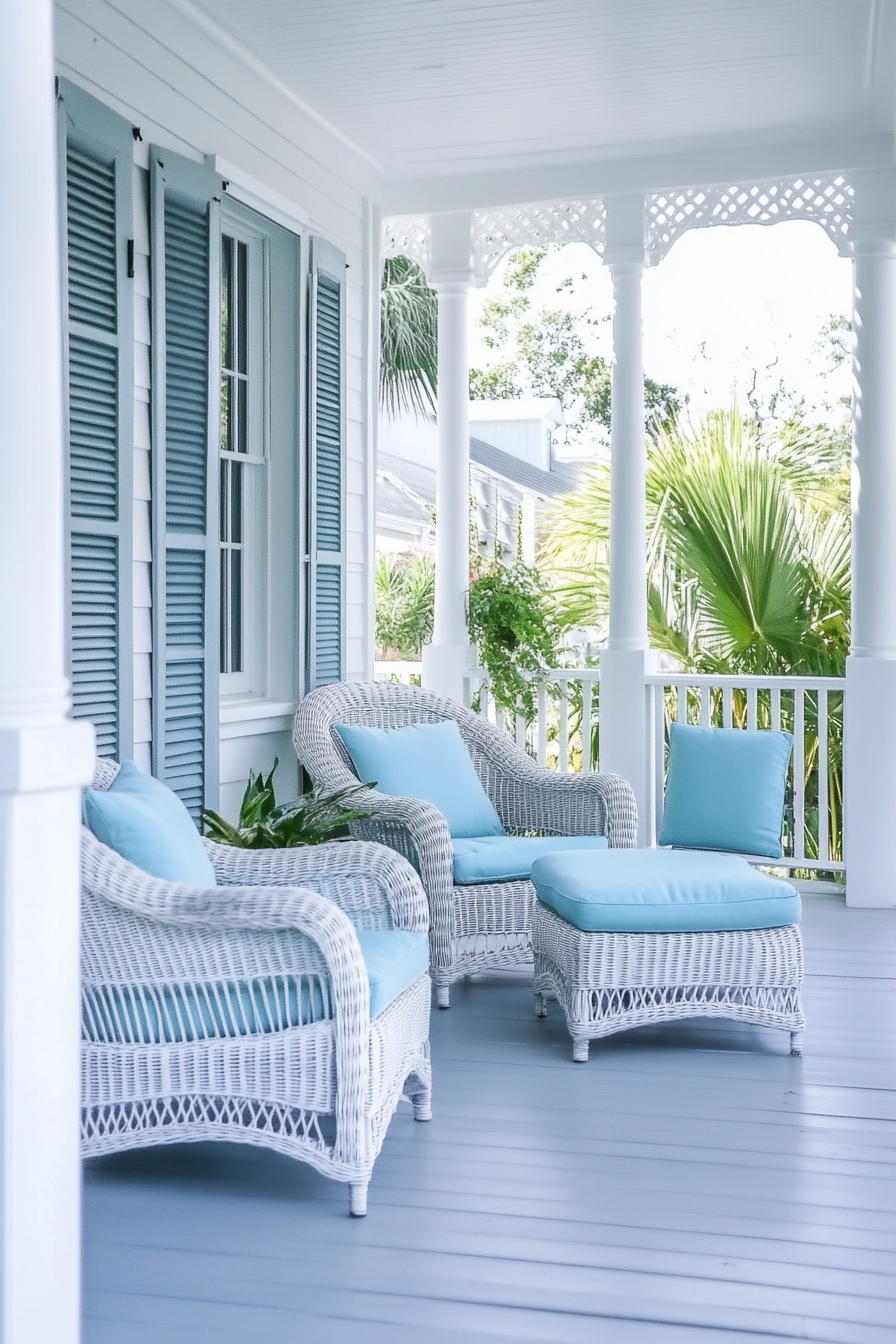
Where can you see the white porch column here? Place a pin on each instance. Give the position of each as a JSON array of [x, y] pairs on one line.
[[870, 746], [624, 736], [448, 657], [43, 758]]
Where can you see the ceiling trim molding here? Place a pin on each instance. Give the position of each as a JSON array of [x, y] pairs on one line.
[[657, 172]]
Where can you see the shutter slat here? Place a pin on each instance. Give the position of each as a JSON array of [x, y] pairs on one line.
[[93, 429], [328, 417], [184, 756], [92, 270], [185, 599], [328, 647]]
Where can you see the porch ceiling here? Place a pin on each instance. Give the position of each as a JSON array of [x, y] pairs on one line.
[[433, 89]]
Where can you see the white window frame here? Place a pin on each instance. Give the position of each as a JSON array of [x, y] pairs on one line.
[[251, 680]]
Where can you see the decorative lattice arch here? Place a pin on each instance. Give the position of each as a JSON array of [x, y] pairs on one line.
[[825, 198], [496, 232]]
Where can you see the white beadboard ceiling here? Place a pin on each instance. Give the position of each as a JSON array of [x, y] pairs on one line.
[[434, 88]]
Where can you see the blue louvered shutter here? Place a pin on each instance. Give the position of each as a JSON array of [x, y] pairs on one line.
[[185, 246], [96, 160], [326, 523]]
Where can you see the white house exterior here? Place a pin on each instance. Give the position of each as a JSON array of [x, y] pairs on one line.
[[238, 157]]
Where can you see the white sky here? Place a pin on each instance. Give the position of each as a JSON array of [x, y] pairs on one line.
[[723, 301]]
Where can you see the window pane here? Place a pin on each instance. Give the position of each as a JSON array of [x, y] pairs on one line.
[[227, 303], [236, 611], [236, 501], [242, 297], [225, 607], [241, 419]]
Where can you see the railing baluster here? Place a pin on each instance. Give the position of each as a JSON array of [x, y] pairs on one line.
[[658, 707], [705, 706], [521, 731], [562, 693], [727, 706], [752, 714], [587, 693], [542, 750], [776, 708], [682, 702], [799, 773], [823, 820]]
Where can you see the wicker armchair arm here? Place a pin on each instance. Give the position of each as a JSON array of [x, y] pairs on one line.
[[363, 879], [570, 804]]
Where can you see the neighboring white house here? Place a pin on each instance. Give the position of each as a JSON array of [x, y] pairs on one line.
[[514, 472]]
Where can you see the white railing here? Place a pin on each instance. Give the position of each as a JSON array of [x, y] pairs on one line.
[[408, 674], [566, 723], [563, 732], [811, 708]]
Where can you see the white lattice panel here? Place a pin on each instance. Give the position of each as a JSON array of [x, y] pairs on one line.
[[826, 198], [408, 236], [495, 232]]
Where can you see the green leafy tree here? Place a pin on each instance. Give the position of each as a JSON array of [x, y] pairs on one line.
[[550, 351], [405, 600], [408, 339]]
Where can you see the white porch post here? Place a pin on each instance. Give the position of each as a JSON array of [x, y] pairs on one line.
[[870, 746], [448, 657], [624, 736], [43, 758]]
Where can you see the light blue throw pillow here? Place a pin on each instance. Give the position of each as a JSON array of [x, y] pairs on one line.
[[143, 821], [725, 789], [507, 858], [428, 761], [662, 891]]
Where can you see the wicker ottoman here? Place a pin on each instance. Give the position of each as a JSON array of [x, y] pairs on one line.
[[666, 935]]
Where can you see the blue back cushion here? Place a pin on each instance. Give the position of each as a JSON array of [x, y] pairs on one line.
[[725, 789], [427, 761], [143, 821]]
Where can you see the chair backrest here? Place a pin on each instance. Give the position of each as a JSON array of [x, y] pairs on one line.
[[384, 704]]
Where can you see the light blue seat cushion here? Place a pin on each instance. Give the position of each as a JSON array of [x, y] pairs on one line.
[[394, 959], [725, 789], [143, 821], [662, 891], [428, 761], [505, 858]]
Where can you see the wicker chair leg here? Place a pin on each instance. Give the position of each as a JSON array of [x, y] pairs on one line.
[[796, 1042], [541, 1006], [580, 1049], [422, 1103], [443, 996], [357, 1195]]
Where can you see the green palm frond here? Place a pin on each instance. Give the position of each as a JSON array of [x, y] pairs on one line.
[[408, 339]]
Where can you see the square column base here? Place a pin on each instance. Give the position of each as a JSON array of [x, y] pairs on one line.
[[445, 667], [626, 739], [870, 782]]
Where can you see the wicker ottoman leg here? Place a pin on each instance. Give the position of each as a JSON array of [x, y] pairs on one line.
[[796, 1042], [357, 1196], [580, 1049], [443, 996], [541, 1006]]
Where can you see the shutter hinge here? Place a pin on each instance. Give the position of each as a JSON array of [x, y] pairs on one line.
[[135, 132], [130, 258]]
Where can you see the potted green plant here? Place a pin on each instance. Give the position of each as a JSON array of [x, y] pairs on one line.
[[311, 819]]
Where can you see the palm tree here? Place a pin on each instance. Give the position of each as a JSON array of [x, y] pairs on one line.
[[408, 339], [748, 548]]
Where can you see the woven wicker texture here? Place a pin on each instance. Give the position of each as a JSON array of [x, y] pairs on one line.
[[474, 928], [607, 982], [242, 1012]]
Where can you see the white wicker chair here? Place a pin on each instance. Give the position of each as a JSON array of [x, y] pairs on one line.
[[170, 1051], [474, 928]]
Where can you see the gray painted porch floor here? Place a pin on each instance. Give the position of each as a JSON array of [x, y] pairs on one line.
[[690, 1183]]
